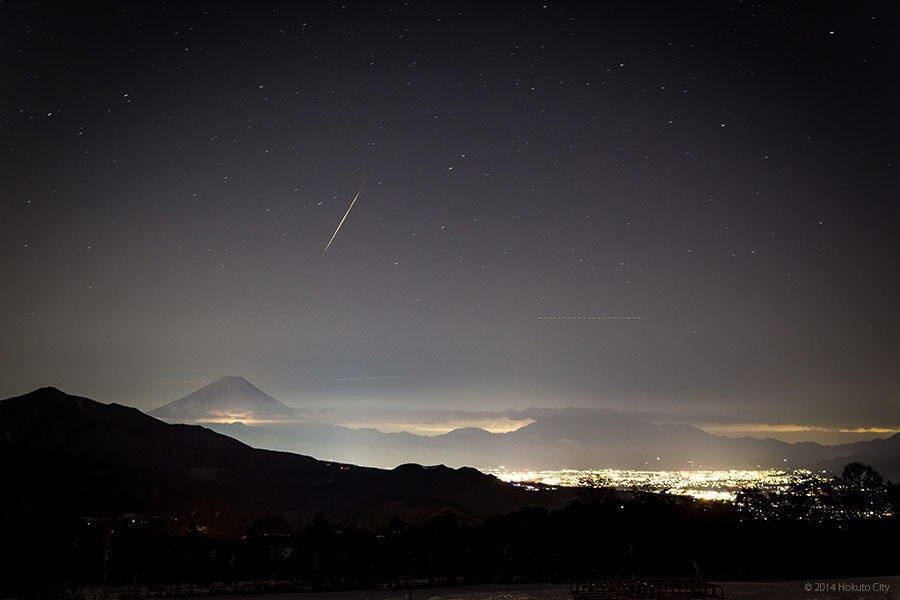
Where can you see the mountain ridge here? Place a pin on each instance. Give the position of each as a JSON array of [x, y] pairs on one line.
[[68, 455]]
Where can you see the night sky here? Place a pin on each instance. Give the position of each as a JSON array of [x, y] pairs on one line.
[[686, 208]]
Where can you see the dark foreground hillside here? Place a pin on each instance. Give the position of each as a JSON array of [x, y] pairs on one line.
[[65, 455], [646, 535], [98, 493]]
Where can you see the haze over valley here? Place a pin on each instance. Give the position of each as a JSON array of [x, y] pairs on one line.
[[574, 438]]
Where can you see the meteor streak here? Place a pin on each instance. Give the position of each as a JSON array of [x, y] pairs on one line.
[[328, 245]]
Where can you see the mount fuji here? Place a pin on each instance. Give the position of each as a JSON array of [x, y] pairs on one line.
[[226, 400]]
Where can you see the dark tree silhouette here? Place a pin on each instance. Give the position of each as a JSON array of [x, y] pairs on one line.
[[861, 476]]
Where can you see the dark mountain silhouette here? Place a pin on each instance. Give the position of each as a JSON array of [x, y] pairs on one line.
[[66, 455], [226, 399], [883, 455]]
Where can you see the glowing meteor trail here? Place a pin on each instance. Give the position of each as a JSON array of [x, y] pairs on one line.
[[328, 245]]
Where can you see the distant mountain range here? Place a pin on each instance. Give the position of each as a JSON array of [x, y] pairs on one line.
[[64, 456], [574, 439], [577, 438]]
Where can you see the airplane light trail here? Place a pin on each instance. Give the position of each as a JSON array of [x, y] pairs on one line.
[[328, 245], [375, 378], [179, 382]]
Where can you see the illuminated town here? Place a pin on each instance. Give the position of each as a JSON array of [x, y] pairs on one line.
[[765, 494], [704, 485]]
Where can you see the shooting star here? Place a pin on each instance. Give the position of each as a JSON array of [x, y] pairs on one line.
[[328, 245]]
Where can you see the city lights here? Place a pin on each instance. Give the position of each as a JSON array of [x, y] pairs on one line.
[[703, 485]]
